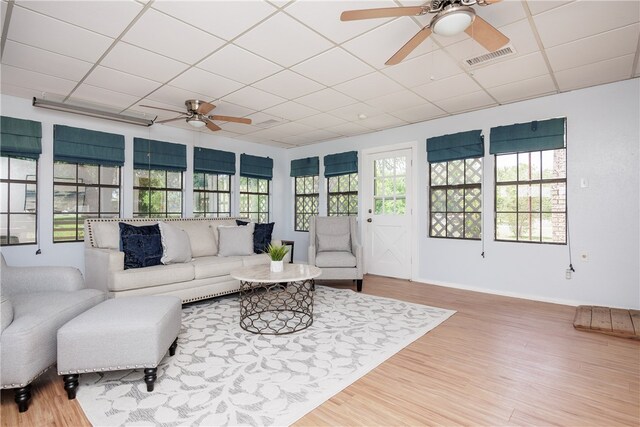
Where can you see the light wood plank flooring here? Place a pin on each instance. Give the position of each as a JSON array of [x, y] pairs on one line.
[[497, 361]]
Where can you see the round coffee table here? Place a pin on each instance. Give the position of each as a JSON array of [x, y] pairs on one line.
[[276, 303]]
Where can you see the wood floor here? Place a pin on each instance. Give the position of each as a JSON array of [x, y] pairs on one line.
[[497, 361]]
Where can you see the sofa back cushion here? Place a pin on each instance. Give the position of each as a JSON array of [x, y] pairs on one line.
[[202, 237]]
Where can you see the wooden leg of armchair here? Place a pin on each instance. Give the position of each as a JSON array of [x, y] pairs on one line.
[[22, 397], [359, 285]]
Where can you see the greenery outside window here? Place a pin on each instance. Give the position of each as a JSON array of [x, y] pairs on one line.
[[306, 201], [254, 199], [456, 199], [18, 200], [157, 193], [211, 195], [342, 195], [531, 196], [82, 191]]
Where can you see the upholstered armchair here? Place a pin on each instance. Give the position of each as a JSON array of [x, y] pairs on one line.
[[36, 302], [334, 247]]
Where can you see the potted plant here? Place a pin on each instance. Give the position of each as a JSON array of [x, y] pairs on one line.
[[277, 253]]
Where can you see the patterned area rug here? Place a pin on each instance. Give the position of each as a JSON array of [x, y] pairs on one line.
[[223, 375]]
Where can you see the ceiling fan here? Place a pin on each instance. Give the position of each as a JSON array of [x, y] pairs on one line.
[[196, 115], [451, 17]]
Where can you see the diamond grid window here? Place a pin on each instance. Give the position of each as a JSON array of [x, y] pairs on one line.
[[211, 195], [157, 193], [18, 201], [254, 199], [306, 201], [456, 199], [342, 195]]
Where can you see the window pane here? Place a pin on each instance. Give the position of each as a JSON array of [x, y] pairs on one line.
[[559, 227], [523, 167], [4, 169], [559, 197], [253, 185], [438, 201], [506, 167], [472, 200], [506, 198], [455, 172], [400, 186], [64, 227], [4, 197], [158, 179], [109, 200], [174, 201], [224, 182], [109, 175], [455, 200], [174, 179], [24, 169], [64, 198], [454, 225], [65, 172], [263, 186], [554, 164], [473, 171], [439, 225], [529, 198], [158, 202], [88, 174], [506, 226], [379, 187], [401, 206], [529, 227], [88, 200], [140, 178], [472, 225], [22, 228], [378, 208]]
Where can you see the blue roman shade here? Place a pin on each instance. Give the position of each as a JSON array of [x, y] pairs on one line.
[[456, 146], [20, 138], [76, 145], [340, 163], [206, 160], [160, 155], [256, 167], [309, 166], [532, 136]]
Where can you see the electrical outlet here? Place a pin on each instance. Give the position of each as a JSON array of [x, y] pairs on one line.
[[567, 275], [584, 256]]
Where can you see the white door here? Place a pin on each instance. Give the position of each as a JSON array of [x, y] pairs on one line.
[[387, 215]]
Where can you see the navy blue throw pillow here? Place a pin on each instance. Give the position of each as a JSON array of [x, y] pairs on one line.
[[142, 246], [261, 235]]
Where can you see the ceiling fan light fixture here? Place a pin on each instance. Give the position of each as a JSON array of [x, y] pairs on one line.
[[452, 20], [196, 122]]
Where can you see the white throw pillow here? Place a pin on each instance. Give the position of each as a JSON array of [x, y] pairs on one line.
[[334, 242], [235, 241], [176, 247]]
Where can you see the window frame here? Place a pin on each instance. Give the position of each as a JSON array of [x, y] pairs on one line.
[[248, 214], [464, 187], [349, 194], [8, 180], [299, 197], [165, 189], [540, 182], [206, 192]]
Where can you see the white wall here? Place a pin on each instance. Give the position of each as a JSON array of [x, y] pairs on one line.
[[72, 253], [602, 138]]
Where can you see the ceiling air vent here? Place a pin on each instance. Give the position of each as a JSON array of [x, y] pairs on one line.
[[267, 123], [482, 59]]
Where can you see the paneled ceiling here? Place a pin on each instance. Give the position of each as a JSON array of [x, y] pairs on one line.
[[295, 69]]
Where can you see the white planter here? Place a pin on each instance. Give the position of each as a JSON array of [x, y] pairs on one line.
[[277, 266]]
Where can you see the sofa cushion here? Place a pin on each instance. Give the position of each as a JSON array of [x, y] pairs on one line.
[[261, 235], [215, 266], [202, 236], [334, 242], [255, 259], [176, 246], [151, 276], [142, 246], [235, 240], [335, 259]]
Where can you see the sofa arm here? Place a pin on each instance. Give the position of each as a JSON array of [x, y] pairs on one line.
[[357, 252], [311, 255], [20, 280], [99, 264]]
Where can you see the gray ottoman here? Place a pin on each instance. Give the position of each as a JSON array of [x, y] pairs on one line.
[[122, 333]]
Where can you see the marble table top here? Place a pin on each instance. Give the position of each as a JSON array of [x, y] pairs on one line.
[[263, 274]]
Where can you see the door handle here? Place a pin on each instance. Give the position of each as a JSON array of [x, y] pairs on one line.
[[369, 220]]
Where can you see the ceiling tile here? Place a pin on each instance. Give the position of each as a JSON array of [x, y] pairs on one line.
[[353, 111], [238, 64], [175, 96], [98, 95], [37, 82], [105, 17], [446, 88], [225, 19], [370, 86], [424, 69], [594, 74], [511, 70], [333, 66], [396, 101], [140, 62], [378, 45], [206, 83], [43, 61], [502, 13], [121, 82], [283, 40], [382, 121], [349, 129], [468, 102], [525, 89], [17, 91], [325, 100], [321, 121], [256, 99], [291, 111], [324, 17], [319, 135], [420, 113], [288, 84], [56, 36], [594, 17], [608, 45], [264, 120], [152, 112], [292, 128], [536, 6], [167, 36]]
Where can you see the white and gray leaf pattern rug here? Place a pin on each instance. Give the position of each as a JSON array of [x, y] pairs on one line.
[[223, 375]]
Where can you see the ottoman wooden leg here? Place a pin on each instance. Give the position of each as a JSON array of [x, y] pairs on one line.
[[150, 377], [22, 397], [71, 385], [172, 349]]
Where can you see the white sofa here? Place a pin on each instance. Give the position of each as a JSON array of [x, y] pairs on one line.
[[205, 276]]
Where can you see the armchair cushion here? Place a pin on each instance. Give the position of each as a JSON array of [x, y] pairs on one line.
[[261, 235], [142, 246], [334, 242], [18, 280], [335, 259]]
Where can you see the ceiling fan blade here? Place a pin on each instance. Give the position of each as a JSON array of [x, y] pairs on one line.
[[231, 119], [491, 1], [205, 107], [170, 120], [487, 35], [212, 126], [409, 46], [160, 108], [385, 12]]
